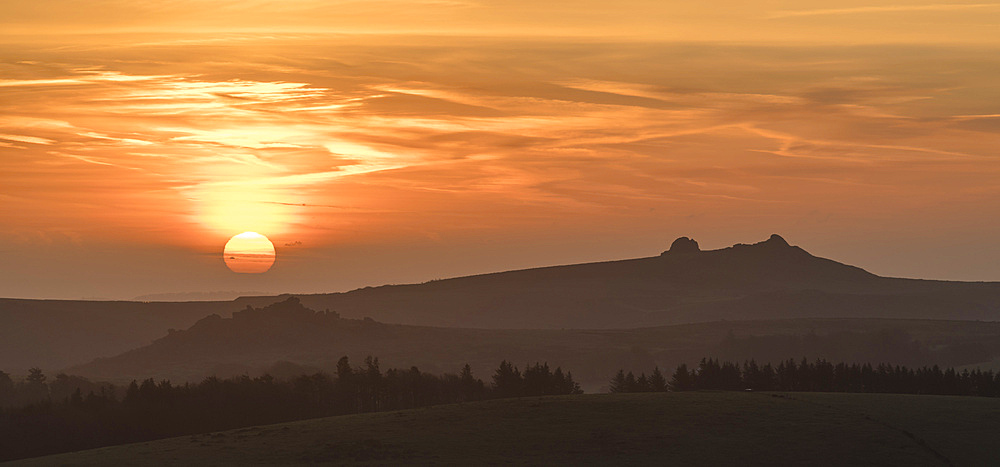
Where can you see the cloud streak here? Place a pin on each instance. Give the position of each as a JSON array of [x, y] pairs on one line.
[[937, 7], [369, 144]]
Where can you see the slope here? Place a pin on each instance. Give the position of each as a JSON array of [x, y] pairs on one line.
[[770, 279], [53, 334], [767, 280], [286, 337], [707, 428]]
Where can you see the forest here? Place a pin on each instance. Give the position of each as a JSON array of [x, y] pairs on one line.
[[70, 413], [817, 376]]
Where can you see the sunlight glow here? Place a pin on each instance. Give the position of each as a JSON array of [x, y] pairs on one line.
[[331, 140], [249, 253]]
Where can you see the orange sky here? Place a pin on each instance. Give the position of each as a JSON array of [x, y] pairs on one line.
[[390, 141]]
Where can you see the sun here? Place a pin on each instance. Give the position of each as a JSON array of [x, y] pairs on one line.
[[249, 253]]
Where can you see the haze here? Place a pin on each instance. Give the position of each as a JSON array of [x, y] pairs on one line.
[[387, 142]]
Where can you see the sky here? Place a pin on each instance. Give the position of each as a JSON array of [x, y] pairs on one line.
[[382, 142]]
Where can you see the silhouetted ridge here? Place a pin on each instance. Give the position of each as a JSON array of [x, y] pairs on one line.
[[285, 323], [767, 279], [290, 308], [775, 243]]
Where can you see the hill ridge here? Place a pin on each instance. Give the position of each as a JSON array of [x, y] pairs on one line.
[[771, 279], [767, 279], [772, 245]]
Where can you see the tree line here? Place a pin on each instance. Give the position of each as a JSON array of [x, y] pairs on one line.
[[59, 419], [818, 376]]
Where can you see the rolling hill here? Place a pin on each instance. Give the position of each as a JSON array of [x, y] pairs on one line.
[[286, 339], [700, 428], [54, 334], [765, 280], [768, 280]]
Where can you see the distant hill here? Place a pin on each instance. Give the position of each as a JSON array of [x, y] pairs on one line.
[[53, 334], [688, 428], [193, 296], [287, 339], [766, 280]]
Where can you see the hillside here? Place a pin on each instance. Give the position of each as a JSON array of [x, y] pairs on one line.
[[766, 280], [54, 334], [286, 337], [704, 428]]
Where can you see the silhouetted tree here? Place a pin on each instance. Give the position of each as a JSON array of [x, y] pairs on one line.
[[729, 377], [682, 379], [6, 390], [470, 388], [657, 383], [537, 380], [152, 409], [630, 382], [820, 375], [709, 375], [641, 384], [35, 376], [507, 381], [34, 388], [618, 383], [372, 385], [569, 386]]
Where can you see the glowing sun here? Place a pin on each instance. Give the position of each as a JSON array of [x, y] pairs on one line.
[[249, 252]]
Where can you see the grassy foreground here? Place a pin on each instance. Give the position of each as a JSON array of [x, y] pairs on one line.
[[698, 428]]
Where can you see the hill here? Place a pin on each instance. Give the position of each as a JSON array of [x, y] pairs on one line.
[[216, 296], [703, 428], [54, 334], [765, 280], [286, 338]]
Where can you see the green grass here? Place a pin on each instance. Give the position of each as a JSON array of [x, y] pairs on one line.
[[700, 428]]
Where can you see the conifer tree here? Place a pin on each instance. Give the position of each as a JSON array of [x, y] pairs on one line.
[[682, 380], [630, 385], [507, 380], [657, 383], [618, 382], [642, 384]]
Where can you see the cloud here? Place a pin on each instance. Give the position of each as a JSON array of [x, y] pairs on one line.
[[27, 139], [976, 117], [402, 140], [937, 7]]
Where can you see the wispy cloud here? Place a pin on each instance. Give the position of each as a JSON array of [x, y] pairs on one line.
[[87, 159], [27, 139], [976, 117], [937, 7], [403, 139]]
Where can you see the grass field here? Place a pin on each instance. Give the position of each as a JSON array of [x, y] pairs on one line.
[[697, 428]]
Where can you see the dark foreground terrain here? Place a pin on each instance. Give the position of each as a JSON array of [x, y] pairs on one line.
[[694, 428]]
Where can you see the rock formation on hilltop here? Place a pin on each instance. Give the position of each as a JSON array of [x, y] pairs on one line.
[[683, 245], [776, 240]]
